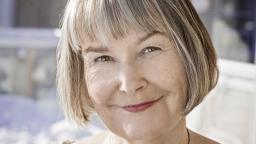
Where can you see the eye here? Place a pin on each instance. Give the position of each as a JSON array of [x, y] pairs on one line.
[[103, 58], [150, 49]]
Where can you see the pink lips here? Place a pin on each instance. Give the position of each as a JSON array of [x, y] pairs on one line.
[[140, 107]]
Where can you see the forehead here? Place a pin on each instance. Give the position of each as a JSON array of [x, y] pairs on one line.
[[132, 37]]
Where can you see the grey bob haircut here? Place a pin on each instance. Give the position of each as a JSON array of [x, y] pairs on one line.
[[100, 20]]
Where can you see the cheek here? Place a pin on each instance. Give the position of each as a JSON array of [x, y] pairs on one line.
[[168, 74], [99, 84], [166, 71]]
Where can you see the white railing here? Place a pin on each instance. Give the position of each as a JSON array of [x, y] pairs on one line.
[[28, 38]]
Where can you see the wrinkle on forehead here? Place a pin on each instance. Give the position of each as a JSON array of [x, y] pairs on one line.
[[134, 37]]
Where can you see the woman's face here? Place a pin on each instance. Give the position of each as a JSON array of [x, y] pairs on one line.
[[137, 84]]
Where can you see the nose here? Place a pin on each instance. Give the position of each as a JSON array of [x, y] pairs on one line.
[[131, 80]]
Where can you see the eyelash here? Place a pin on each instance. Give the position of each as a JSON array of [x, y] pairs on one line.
[[105, 58], [149, 49]]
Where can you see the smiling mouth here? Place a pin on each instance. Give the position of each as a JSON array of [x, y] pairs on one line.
[[140, 107]]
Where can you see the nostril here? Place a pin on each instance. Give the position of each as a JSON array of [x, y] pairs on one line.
[[142, 84]]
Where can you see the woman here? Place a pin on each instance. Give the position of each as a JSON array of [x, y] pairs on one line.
[[141, 65]]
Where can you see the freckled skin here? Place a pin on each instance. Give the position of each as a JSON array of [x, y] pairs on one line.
[[131, 74]]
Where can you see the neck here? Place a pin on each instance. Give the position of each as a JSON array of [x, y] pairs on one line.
[[177, 135]]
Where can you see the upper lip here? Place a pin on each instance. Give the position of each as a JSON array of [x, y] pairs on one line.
[[142, 103]]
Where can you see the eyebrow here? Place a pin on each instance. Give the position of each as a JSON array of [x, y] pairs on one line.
[[105, 49], [147, 36]]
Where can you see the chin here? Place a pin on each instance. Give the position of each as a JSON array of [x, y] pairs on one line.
[[142, 132]]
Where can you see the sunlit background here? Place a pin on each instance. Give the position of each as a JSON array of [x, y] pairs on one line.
[[29, 110]]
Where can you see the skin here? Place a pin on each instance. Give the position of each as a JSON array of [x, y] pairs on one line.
[[137, 68]]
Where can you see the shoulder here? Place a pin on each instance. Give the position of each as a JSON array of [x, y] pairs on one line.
[[94, 139], [199, 139]]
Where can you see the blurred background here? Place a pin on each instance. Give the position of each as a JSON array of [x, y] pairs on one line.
[[29, 110]]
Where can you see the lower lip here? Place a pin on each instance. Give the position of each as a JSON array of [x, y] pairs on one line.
[[141, 107]]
